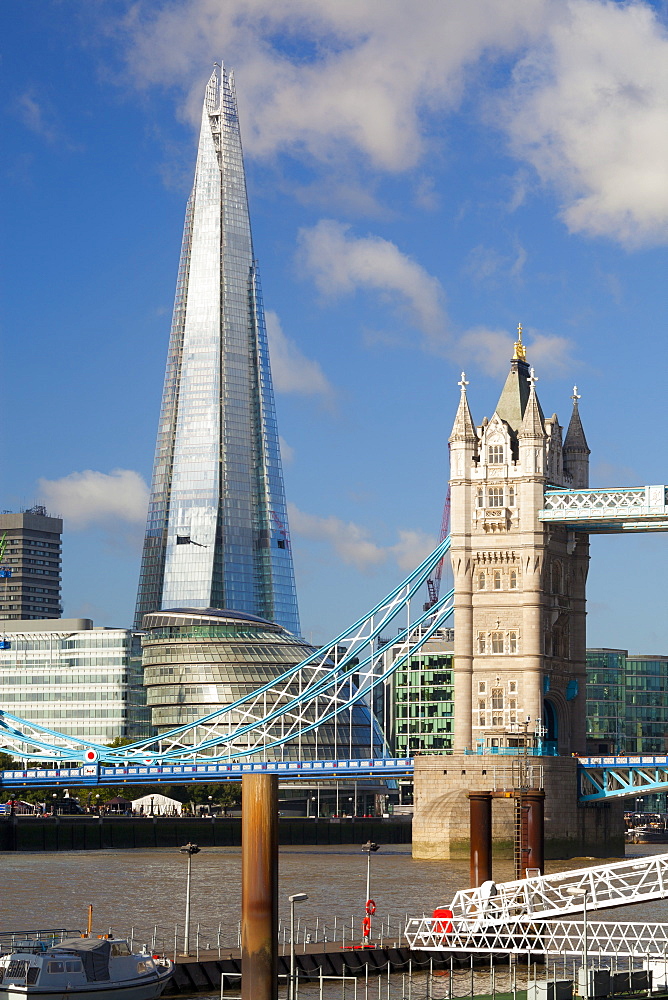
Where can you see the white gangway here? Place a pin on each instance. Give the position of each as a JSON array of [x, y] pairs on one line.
[[532, 915]]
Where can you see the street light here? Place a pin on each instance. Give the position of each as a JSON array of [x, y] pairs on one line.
[[582, 891], [369, 909], [188, 849], [298, 897], [210, 801]]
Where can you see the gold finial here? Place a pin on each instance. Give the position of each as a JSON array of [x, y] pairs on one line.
[[520, 350]]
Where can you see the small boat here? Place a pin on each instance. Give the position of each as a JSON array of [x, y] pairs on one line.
[[84, 968]]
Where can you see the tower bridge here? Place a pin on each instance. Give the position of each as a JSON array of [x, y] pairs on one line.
[[522, 511]]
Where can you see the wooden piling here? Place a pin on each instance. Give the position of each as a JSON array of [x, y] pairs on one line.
[[259, 887]]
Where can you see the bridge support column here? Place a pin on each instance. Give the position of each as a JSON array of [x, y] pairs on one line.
[[534, 802], [259, 887], [480, 809]]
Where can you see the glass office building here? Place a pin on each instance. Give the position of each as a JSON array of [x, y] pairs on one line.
[[196, 662], [627, 702], [74, 678], [423, 699], [217, 530]]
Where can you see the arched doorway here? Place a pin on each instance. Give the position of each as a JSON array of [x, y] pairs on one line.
[[551, 723]]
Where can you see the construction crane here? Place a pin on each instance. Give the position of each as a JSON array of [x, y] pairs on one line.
[[434, 581]]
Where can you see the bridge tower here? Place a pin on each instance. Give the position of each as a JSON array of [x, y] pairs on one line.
[[519, 584], [519, 642]]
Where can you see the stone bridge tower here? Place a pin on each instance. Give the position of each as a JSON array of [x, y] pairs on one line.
[[519, 584]]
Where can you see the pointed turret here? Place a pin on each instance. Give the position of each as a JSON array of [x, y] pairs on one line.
[[533, 421], [515, 394], [463, 428], [576, 449], [532, 435]]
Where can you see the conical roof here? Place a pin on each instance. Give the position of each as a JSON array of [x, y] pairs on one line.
[[575, 435], [533, 421], [463, 428], [515, 394]]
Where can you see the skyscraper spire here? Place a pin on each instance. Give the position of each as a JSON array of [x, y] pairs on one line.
[[217, 531]]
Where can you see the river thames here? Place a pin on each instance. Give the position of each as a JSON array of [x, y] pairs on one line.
[[144, 889]]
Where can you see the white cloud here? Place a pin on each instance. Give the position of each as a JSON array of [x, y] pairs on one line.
[[88, 498], [353, 545], [287, 451], [291, 370], [33, 115], [490, 351], [341, 263], [322, 79], [589, 110]]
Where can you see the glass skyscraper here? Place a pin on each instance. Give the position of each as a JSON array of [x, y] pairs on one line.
[[217, 530]]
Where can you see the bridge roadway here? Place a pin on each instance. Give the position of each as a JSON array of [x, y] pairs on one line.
[[181, 774], [598, 777]]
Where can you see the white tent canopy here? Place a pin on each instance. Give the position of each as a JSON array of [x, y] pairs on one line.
[[156, 805]]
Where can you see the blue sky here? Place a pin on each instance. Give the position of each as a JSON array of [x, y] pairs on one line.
[[421, 179]]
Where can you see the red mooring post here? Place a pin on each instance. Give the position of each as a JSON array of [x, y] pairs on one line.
[[259, 887], [534, 803], [480, 804]]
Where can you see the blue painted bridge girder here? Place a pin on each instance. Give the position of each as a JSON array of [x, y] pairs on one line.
[[628, 777], [181, 774]]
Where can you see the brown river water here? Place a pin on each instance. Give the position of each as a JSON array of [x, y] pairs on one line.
[[141, 890]]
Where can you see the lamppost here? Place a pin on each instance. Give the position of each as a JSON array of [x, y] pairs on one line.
[[210, 801], [298, 897], [188, 849], [370, 908], [582, 891]]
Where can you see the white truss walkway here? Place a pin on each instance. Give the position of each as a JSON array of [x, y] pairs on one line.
[[559, 937], [512, 916], [639, 880], [633, 508]]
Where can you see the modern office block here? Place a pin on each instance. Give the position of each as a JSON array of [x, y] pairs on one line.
[[217, 531], [196, 662], [30, 552], [74, 678], [423, 698]]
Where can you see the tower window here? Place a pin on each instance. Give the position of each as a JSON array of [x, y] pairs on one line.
[[480, 497], [512, 687], [481, 580], [482, 687], [497, 579], [497, 699], [511, 496], [512, 642], [482, 642], [513, 579], [481, 705], [495, 496], [497, 642], [495, 454]]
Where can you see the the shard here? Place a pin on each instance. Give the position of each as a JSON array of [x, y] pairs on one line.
[[217, 530]]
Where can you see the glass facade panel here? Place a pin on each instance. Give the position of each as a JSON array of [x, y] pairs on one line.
[[424, 698], [217, 530], [86, 684]]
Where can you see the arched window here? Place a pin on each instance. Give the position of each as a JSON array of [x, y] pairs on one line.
[[497, 642], [511, 496], [512, 641], [497, 579], [481, 580], [513, 579], [480, 497], [556, 577]]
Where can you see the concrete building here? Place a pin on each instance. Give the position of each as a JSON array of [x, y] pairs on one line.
[[217, 530], [74, 678], [30, 549]]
